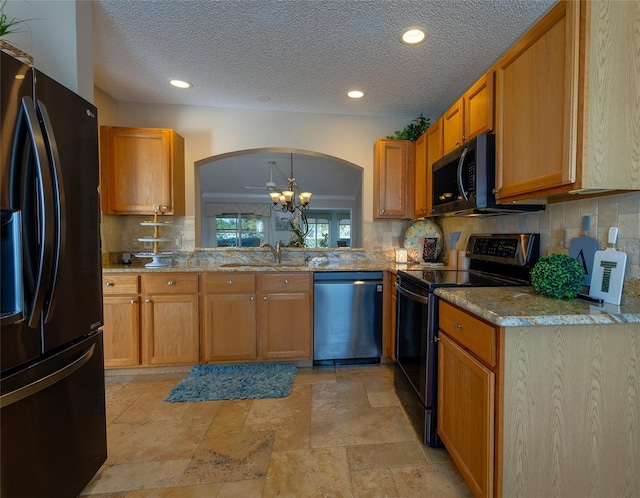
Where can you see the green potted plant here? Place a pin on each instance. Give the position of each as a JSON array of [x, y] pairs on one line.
[[10, 25], [557, 275], [413, 130]]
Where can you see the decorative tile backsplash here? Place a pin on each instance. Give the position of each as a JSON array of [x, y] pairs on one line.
[[557, 226]]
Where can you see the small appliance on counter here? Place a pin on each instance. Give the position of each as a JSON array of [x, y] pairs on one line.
[[495, 260]]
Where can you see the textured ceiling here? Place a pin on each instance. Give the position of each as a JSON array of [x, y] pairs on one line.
[[303, 55]]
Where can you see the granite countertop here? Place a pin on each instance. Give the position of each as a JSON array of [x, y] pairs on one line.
[[258, 267], [521, 306]]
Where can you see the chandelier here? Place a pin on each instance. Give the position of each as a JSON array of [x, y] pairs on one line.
[[289, 200]]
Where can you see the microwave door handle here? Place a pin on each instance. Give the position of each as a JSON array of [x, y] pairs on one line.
[[460, 163]]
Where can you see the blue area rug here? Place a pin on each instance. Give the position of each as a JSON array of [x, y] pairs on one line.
[[225, 382]]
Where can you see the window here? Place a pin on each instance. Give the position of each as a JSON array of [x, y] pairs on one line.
[[329, 229], [239, 230]]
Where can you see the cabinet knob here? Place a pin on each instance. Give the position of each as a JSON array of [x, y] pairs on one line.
[[109, 284], [147, 300], [171, 282], [382, 211], [264, 298], [457, 325], [251, 298], [133, 301], [229, 282], [436, 338], [286, 281]]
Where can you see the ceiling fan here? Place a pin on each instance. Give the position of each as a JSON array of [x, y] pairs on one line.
[[270, 186]]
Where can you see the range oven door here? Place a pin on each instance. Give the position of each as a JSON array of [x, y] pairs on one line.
[[416, 356]]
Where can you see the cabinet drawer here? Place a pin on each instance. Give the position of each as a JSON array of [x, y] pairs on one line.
[[286, 282], [470, 332], [170, 283], [230, 282], [119, 284]]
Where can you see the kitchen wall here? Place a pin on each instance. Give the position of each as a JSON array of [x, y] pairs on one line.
[[210, 131]]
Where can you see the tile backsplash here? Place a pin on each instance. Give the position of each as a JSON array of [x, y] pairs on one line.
[[557, 225]]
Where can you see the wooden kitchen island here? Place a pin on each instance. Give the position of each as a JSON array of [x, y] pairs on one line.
[[541, 396]]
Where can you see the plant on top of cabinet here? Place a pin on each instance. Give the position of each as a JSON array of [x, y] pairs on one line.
[[141, 167], [413, 131]]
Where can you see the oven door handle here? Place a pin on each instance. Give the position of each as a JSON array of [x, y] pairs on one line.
[[412, 295]]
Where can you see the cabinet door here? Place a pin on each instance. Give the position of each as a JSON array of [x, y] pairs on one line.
[[421, 178], [170, 331], [393, 179], [466, 402], [141, 167], [478, 107], [537, 105], [285, 325], [435, 151], [229, 327], [389, 307], [121, 331], [452, 127]]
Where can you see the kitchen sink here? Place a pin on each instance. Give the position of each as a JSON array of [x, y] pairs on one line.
[[260, 265]]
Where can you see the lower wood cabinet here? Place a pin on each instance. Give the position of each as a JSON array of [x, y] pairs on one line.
[[286, 315], [466, 396], [121, 330], [170, 321], [154, 319], [229, 316]]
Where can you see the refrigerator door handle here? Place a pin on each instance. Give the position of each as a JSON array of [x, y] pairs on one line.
[[46, 209], [59, 208], [51, 379]]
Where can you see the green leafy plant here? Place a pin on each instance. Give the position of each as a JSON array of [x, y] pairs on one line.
[[557, 275], [299, 228], [413, 130], [8, 24]]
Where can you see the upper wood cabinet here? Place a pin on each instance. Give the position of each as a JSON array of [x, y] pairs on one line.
[[470, 115], [393, 177], [565, 101], [421, 208], [141, 167]]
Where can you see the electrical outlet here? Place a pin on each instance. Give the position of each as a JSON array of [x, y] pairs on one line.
[[148, 245], [177, 242]]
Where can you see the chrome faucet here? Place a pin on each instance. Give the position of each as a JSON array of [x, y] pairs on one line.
[[276, 251]]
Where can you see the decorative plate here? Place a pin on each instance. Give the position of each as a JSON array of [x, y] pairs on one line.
[[415, 234]]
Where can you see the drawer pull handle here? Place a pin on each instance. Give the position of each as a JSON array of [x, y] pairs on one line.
[[457, 325], [436, 338], [110, 284], [171, 282]]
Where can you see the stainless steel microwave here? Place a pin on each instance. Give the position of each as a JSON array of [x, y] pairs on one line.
[[463, 182]]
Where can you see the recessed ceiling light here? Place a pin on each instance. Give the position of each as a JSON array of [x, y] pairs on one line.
[[180, 84], [355, 94], [413, 36]]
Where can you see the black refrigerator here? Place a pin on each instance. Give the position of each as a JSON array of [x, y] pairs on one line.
[[52, 397]]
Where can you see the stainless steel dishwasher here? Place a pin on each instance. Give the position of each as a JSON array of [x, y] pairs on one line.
[[347, 317]]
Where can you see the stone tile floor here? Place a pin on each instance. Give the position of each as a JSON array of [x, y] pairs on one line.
[[340, 433]]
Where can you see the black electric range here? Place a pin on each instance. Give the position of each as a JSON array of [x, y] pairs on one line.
[[496, 260]]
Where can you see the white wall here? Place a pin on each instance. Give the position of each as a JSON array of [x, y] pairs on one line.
[[59, 38], [212, 131]]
